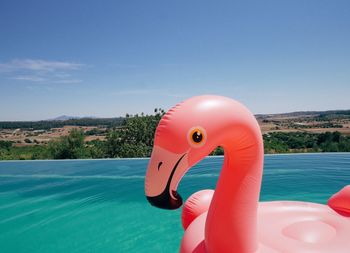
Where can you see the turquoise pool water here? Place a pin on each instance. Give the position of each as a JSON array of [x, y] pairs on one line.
[[99, 205]]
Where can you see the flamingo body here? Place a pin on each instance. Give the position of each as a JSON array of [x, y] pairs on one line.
[[340, 202], [195, 205], [285, 226]]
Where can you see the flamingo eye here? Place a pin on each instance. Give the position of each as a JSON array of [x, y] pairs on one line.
[[196, 136]]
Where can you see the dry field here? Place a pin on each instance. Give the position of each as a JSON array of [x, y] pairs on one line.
[[289, 122], [303, 124], [23, 137]]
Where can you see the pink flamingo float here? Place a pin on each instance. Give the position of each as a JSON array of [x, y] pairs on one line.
[[230, 219]]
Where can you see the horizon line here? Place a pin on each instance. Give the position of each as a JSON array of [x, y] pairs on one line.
[[116, 117]]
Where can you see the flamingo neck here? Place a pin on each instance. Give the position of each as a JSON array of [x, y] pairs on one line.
[[231, 224]]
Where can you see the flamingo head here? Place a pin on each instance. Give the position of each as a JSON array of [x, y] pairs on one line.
[[185, 135]]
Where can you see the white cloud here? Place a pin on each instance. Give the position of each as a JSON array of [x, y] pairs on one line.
[[37, 70], [29, 78], [38, 65], [62, 75]]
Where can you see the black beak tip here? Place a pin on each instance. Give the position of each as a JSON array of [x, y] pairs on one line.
[[166, 202]]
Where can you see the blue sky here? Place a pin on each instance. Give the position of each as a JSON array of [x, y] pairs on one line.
[[108, 58]]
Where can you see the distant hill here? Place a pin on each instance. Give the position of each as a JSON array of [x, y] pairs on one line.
[[67, 117], [63, 118], [300, 114]]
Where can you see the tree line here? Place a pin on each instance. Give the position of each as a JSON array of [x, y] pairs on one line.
[[134, 138], [286, 142], [48, 124]]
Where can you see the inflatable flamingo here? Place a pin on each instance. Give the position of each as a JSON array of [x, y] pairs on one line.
[[231, 219]]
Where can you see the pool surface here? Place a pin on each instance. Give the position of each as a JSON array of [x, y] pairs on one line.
[[99, 205]]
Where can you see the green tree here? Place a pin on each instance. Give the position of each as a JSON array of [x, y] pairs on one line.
[[135, 137], [113, 142], [5, 145], [68, 147]]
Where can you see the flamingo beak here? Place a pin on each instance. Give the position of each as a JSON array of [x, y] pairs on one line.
[[165, 201], [160, 181]]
